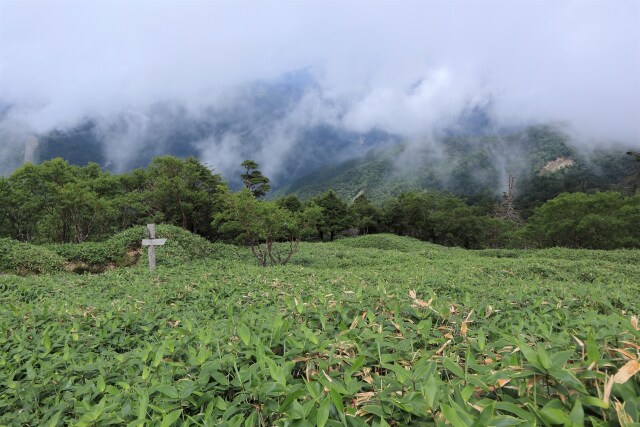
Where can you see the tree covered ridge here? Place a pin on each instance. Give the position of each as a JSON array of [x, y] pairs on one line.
[[477, 167], [55, 202]]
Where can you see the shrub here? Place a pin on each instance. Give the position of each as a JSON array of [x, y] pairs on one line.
[[25, 258]]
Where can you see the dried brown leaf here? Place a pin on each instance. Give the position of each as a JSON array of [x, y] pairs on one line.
[[502, 382], [441, 349], [354, 323], [608, 384], [623, 417], [363, 397], [624, 353], [580, 343], [628, 344], [627, 371]]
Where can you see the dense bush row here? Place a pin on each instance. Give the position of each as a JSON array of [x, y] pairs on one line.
[[55, 202], [122, 250]]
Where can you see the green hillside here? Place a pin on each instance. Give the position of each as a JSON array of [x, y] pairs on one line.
[[377, 330], [475, 167]]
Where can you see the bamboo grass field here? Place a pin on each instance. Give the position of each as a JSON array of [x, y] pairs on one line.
[[376, 330]]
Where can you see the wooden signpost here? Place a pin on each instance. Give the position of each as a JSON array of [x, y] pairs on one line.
[[152, 242]]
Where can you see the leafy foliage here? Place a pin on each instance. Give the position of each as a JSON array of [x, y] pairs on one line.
[[335, 216], [57, 203], [253, 179], [603, 220], [408, 334], [24, 258], [262, 224], [122, 250], [474, 167]]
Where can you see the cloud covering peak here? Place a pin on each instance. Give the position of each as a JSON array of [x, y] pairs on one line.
[[408, 68]]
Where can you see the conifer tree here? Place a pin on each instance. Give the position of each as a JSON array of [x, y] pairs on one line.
[[253, 179]]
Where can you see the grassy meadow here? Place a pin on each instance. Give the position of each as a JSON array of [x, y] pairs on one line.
[[376, 330]]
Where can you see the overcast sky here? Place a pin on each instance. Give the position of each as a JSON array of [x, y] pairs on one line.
[[577, 62]]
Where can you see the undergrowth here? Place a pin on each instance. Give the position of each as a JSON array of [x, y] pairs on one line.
[[377, 330]]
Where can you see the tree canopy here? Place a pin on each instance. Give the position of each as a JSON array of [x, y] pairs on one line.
[[253, 179]]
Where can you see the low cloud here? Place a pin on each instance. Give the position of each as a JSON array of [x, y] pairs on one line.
[[405, 68]]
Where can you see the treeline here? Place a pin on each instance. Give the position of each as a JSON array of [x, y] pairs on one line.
[[55, 202]]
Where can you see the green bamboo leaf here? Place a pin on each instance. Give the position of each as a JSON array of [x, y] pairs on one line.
[[276, 372], [46, 341], [453, 367], [554, 412], [567, 378], [559, 359], [485, 416], [31, 373], [374, 409], [168, 390], [277, 324], [296, 411], [576, 416], [451, 416], [143, 404], [431, 391], [514, 409], [170, 418], [53, 422], [291, 396], [309, 335], [158, 357], [244, 333], [593, 354], [507, 421], [594, 401], [336, 398], [543, 357], [482, 339], [528, 352], [299, 305], [202, 355], [251, 420], [323, 412], [355, 365], [100, 384]]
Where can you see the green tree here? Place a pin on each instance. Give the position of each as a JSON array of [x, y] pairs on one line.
[[5, 201], [366, 216], [34, 195], [335, 215], [183, 193], [407, 215], [436, 217], [291, 203], [602, 220], [253, 179], [84, 213], [273, 233]]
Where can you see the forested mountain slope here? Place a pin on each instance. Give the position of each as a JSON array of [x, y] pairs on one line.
[[542, 160]]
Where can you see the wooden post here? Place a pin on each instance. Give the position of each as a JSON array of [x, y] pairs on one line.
[[152, 242]]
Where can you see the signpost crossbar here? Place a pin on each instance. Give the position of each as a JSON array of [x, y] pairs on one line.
[[152, 242]]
